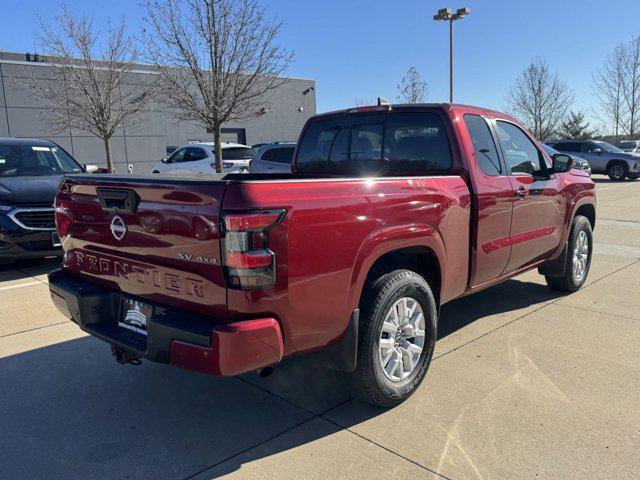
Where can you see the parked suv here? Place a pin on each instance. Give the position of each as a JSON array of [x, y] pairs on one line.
[[201, 158], [30, 172], [630, 146], [602, 157], [273, 158]]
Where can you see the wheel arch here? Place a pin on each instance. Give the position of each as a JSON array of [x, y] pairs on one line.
[[615, 160], [397, 246], [587, 210], [419, 259]]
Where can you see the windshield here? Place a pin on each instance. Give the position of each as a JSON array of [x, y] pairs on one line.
[[628, 144], [607, 147], [548, 149], [35, 160]]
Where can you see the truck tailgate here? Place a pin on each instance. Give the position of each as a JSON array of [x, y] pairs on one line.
[[156, 238]]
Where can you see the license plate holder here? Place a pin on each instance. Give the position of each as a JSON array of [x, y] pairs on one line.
[[134, 315]]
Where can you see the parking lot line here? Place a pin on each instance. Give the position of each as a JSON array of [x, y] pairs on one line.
[[26, 284]]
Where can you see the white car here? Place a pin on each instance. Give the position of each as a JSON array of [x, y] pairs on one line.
[[201, 158]]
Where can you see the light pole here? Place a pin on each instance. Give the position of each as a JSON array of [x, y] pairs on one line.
[[445, 14]]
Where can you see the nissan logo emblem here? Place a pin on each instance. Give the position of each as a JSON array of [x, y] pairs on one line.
[[118, 227]]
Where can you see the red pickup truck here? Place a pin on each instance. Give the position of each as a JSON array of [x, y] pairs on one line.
[[389, 212]]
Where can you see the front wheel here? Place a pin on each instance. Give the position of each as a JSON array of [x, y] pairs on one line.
[[580, 249], [397, 334]]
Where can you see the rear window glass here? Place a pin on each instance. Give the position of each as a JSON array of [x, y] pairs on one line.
[[278, 155], [236, 153], [405, 141], [416, 141]]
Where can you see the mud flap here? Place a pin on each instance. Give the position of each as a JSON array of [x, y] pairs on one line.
[[557, 267], [343, 355]]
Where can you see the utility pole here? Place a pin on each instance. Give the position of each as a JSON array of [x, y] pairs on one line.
[[445, 14]]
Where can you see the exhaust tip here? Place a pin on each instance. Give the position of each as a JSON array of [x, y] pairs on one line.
[[123, 357]]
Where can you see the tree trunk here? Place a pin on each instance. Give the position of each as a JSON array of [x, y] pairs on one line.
[[107, 151], [217, 134]]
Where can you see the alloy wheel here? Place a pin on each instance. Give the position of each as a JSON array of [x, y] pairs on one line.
[[580, 256], [402, 339]]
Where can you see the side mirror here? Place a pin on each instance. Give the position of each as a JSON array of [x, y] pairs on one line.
[[562, 163], [91, 168], [597, 150]]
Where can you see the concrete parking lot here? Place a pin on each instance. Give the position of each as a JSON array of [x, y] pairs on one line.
[[525, 383]]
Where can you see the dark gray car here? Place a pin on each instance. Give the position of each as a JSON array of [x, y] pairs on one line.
[[578, 162], [602, 157]]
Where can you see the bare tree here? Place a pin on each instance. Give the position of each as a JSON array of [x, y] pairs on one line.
[[91, 89], [608, 84], [217, 59], [539, 99], [412, 89], [631, 86]]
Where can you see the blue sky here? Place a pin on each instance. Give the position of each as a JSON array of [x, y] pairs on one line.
[[360, 49]]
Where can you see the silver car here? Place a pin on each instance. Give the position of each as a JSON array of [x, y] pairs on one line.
[[630, 146], [578, 162], [602, 157], [273, 158]]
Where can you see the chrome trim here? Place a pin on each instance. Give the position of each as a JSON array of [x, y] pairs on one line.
[[12, 215]]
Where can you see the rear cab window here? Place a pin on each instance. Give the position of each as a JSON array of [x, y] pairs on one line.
[[382, 142]]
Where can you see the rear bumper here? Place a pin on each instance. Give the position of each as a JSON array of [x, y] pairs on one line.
[[178, 337]]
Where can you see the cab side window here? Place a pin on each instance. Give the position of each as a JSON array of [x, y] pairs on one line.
[[522, 155], [483, 145], [589, 147]]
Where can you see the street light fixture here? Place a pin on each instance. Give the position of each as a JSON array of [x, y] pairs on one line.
[[446, 14]]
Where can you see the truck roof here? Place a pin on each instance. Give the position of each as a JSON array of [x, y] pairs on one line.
[[401, 106]]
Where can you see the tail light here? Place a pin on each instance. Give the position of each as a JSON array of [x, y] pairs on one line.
[[248, 262], [64, 219]]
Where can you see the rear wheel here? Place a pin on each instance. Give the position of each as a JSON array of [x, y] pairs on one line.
[[617, 171], [396, 338], [580, 249]]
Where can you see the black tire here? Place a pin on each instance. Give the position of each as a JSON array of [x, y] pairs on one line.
[[633, 177], [368, 381], [617, 171], [569, 282], [155, 171]]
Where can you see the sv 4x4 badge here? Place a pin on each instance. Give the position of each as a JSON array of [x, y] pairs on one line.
[[200, 259]]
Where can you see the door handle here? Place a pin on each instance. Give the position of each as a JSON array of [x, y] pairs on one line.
[[521, 192]]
